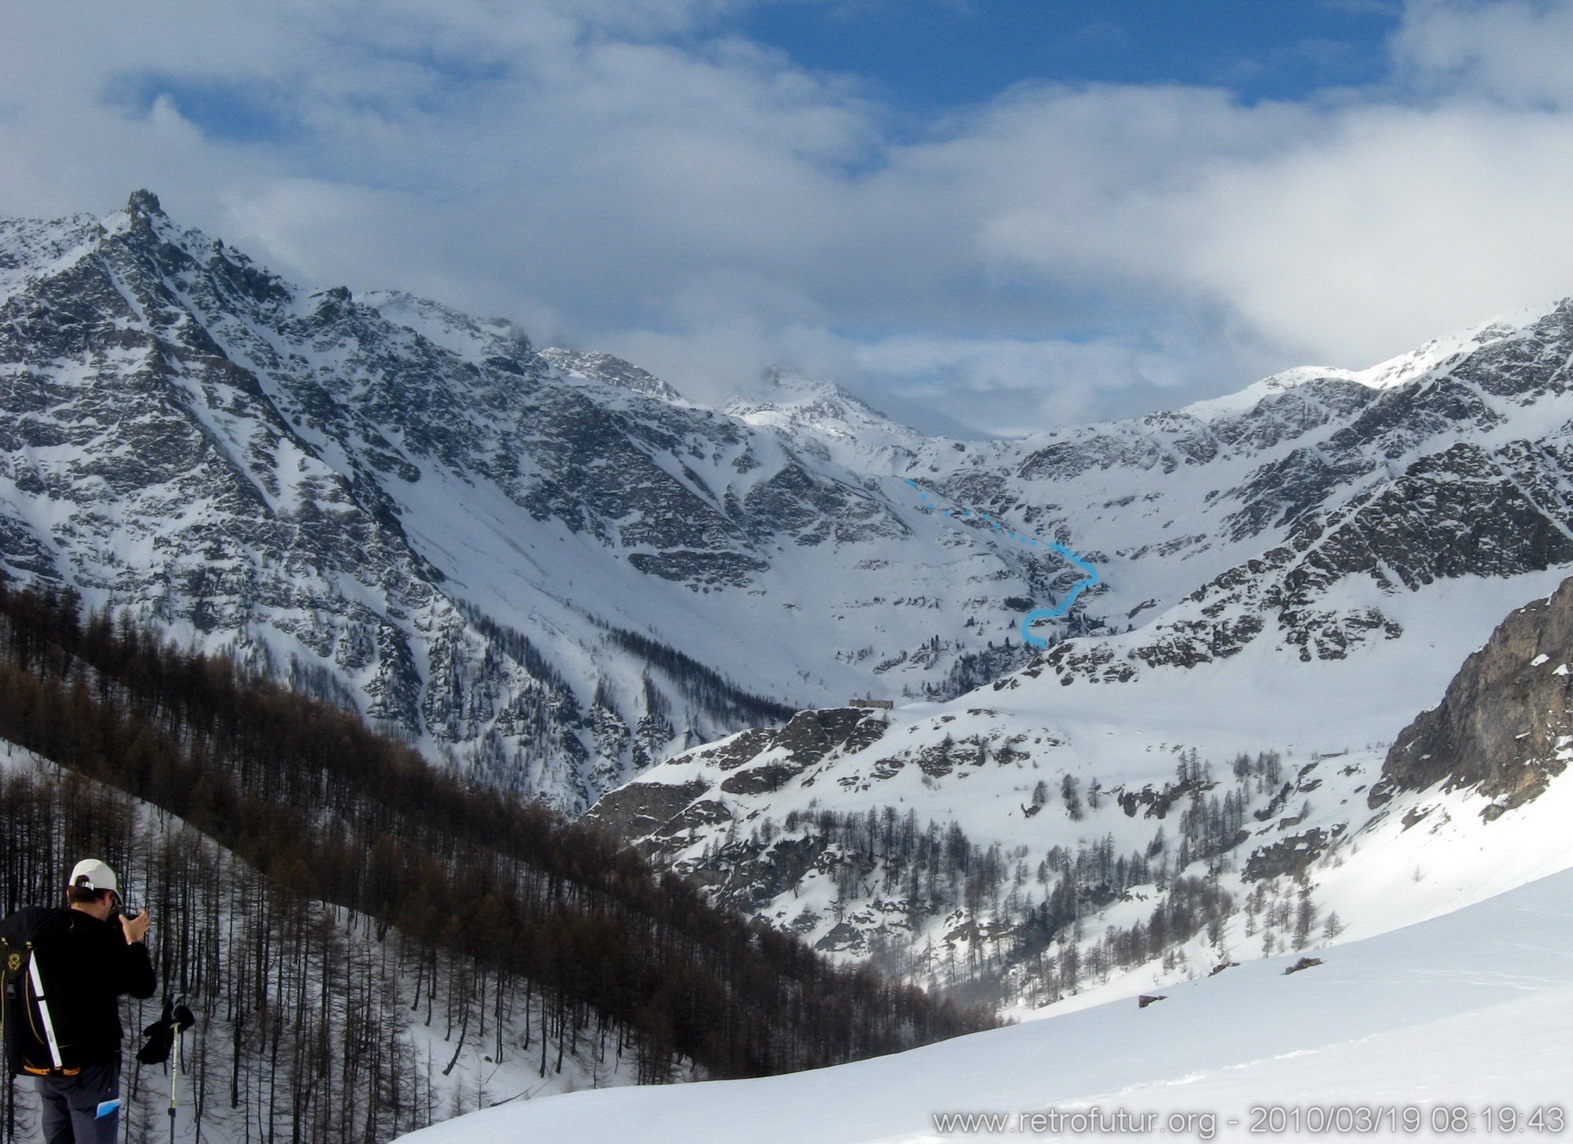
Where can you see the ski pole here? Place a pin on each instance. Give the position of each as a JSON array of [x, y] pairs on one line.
[[174, 1079]]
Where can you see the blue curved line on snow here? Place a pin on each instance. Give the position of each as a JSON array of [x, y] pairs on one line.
[[1064, 605], [1032, 617]]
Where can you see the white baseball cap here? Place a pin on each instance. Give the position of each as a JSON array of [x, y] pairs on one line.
[[91, 874]]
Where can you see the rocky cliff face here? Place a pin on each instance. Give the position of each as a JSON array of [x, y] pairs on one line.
[[1505, 725], [543, 565], [548, 567]]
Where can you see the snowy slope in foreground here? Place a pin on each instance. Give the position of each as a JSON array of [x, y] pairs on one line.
[[1473, 1009]]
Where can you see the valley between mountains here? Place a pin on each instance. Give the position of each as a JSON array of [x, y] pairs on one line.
[[1320, 690]]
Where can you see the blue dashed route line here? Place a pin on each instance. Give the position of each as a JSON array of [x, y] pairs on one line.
[[1032, 617]]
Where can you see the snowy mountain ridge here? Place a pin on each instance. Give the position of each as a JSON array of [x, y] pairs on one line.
[[546, 565], [1389, 374], [549, 567], [1146, 799]]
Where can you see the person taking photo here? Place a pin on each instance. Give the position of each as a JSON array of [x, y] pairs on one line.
[[65, 971]]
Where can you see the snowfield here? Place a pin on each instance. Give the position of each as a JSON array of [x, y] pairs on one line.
[[1443, 1010], [1332, 721], [1463, 1020]]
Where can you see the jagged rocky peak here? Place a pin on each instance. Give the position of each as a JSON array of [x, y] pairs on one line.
[[542, 566], [1505, 725], [144, 202], [145, 224]]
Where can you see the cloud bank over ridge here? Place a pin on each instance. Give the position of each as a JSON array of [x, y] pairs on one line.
[[641, 177]]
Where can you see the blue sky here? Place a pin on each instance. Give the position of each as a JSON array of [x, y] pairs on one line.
[[928, 57], [986, 216]]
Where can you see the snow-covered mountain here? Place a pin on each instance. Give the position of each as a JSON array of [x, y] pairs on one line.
[[546, 565], [1287, 577], [1437, 1006], [549, 567], [1046, 840]]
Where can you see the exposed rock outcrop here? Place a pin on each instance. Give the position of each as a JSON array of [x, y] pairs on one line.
[[1505, 725]]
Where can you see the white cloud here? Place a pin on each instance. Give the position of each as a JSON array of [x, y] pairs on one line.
[[1509, 50], [626, 175], [1010, 386], [1405, 224]]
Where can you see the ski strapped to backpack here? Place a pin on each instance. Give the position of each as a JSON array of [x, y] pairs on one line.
[[41, 999]]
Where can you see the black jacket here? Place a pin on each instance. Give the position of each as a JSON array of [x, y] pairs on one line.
[[86, 966]]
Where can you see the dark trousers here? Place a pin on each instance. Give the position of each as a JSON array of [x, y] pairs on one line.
[[71, 1106]]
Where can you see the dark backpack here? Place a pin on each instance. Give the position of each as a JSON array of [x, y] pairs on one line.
[[26, 1021]]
